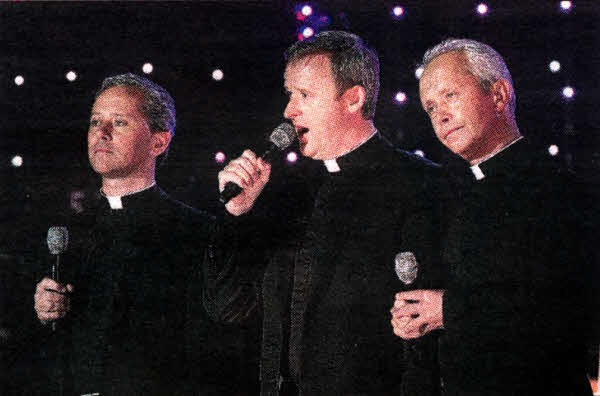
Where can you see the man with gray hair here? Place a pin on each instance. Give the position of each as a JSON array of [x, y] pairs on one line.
[[513, 310], [126, 304]]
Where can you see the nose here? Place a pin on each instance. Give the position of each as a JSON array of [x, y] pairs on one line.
[[291, 110], [443, 116], [106, 131]]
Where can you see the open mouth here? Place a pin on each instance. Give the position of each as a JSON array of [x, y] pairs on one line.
[[301, 131]]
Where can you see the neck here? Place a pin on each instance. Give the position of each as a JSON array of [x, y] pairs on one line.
[[353, 136], [123, 186]]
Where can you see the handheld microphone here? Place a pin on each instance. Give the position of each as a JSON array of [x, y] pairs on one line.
[[406, 267], [281, 138], [58, 240]]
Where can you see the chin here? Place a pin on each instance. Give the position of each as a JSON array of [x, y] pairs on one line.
[[107, 171], [457, 148], [304, 152]]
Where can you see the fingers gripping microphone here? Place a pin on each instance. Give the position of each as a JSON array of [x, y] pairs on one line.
[[281, 138], [406, 267], [58, 240]]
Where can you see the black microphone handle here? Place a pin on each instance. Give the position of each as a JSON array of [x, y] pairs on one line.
[[55, 276], [232, 190]]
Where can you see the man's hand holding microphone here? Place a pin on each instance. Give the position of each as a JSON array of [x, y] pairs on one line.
[[244, 178]]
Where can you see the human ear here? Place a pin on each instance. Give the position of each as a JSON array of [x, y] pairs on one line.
[[354, 98], [501, 92], [160, 142]]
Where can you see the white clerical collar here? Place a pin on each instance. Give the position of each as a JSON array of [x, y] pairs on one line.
[[115, 201], [477, 172], [332, 165]]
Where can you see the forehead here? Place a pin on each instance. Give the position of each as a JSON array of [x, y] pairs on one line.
[[312, 68], [448, 67], [119, 98]]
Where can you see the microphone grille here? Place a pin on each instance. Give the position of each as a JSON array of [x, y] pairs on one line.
[[406, 267], [283, 136], [58, 239]]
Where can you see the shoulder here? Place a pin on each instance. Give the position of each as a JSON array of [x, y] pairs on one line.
[[181, 217], [393, 159], [406, 174]]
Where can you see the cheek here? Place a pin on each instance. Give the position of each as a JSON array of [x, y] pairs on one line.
[[438, 133], [129, 145]]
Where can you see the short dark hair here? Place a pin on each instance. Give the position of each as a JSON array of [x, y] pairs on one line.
[[157, 104], [352, 63]]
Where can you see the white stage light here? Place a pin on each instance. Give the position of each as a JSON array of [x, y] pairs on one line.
[[553, 150], [566, 5], [400, 97], [16, 161], [568, 92], [306, 10], [19, 80], [482, 9], [419, 72], [292, 157], [554, 66], [71, 76], [217, 74], [398, 11], [308, 32], [420, 153], [147, 68]]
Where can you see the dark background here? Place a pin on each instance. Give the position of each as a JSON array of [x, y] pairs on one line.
[[45, 120]]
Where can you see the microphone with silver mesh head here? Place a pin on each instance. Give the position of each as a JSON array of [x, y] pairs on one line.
[[281, 138], [406, 267], [58, 241]]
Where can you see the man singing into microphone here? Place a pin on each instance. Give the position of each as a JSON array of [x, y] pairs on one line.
[[513, 309], [323, 290], [125, 303]]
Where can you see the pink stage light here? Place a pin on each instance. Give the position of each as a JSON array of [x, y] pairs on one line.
[[220, 157]]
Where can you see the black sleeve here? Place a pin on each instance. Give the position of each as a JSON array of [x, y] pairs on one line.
[[422, 234], [234, 264], [242, 246]]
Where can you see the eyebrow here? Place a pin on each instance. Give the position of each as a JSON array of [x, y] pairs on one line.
[[116, 114]]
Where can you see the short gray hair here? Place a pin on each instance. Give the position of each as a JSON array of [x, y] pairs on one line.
[[352, 63], [484, 62]]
